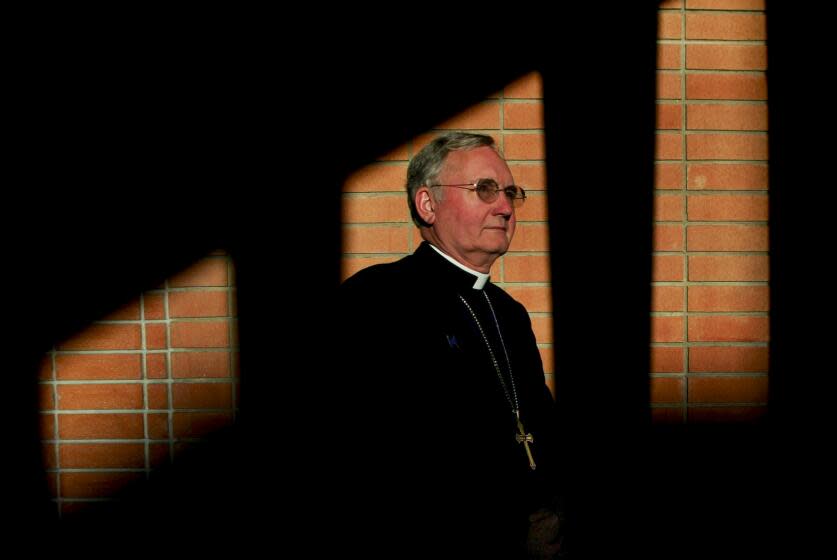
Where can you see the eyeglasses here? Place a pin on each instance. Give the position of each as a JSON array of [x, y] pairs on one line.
[[488, 190]]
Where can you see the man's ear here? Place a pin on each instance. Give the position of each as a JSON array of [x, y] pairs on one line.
[[426, 205]]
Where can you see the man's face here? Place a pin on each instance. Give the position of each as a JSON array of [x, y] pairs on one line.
[[470, 230]]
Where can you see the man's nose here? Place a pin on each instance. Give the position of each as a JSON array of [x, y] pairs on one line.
[[503, 205]]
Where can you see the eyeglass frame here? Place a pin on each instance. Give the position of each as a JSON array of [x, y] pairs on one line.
[[474, 187]]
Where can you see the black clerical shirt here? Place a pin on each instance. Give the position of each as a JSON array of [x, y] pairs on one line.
[[433, 430]]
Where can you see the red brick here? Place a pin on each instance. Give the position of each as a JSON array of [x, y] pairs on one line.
[[668, 146], [728, 268], [669, 85], [670, 4], [198, 303], [664, 415], [725, 4], [669, 207], [158, 426], [46, 398], [481, 116], [102, 455], [667, 298], [200, 334], [668, 57], [727, 208], [112, 336], [726, 57], [727, 389], [526, 268], [153, 306], [729, 298], [666, 329], [726, 26], [158, 396], [731, 176], [530, 237], [524, 146], [211, 271], [669, 116], [523, 115], [726, 117], [531, 176], [415, 241], [668, 237], [199, 424], [155, 366], [548, 360], [669, 25], [96, 484], [98, 366], [376, 239], [667, 268], [100, 397], [377, 177], [727, 238], [128, 312], [48, 456], [534, 209], [542, 327], [529, 86], [156, 336], [728, 328], [200, 364], [668, 176], [534, 298], [100, 426], [666, 390], [201, 395], [726, 86], [726, 146], [351, 265], [743, 359], [46, 426], [726, 414], [366, 209], [666, 359]]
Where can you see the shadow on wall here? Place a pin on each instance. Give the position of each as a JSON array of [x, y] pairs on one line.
[[163, 154]]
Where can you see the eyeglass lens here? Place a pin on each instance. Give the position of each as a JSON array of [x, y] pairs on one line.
[[488, 189]]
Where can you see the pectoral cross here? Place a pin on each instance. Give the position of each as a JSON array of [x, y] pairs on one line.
[[525, 439]]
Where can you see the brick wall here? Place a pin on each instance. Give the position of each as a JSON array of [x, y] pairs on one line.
[[132, 390], [710, 294]]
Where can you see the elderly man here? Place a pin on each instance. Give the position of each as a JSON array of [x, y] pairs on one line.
[[453, 437]]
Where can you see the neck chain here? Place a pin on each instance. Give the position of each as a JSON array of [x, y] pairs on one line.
[[511, 397]]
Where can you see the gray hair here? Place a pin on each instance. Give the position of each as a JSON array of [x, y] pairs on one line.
[[425, 167]]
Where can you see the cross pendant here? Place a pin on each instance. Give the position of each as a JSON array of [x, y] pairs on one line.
[[525, 439]]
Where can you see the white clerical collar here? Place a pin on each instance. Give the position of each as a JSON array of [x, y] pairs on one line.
[[482, 278]]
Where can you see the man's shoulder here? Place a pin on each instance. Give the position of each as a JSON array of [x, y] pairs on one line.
[[377, 276]]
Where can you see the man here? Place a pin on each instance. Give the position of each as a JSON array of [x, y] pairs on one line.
[[452, 428]]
